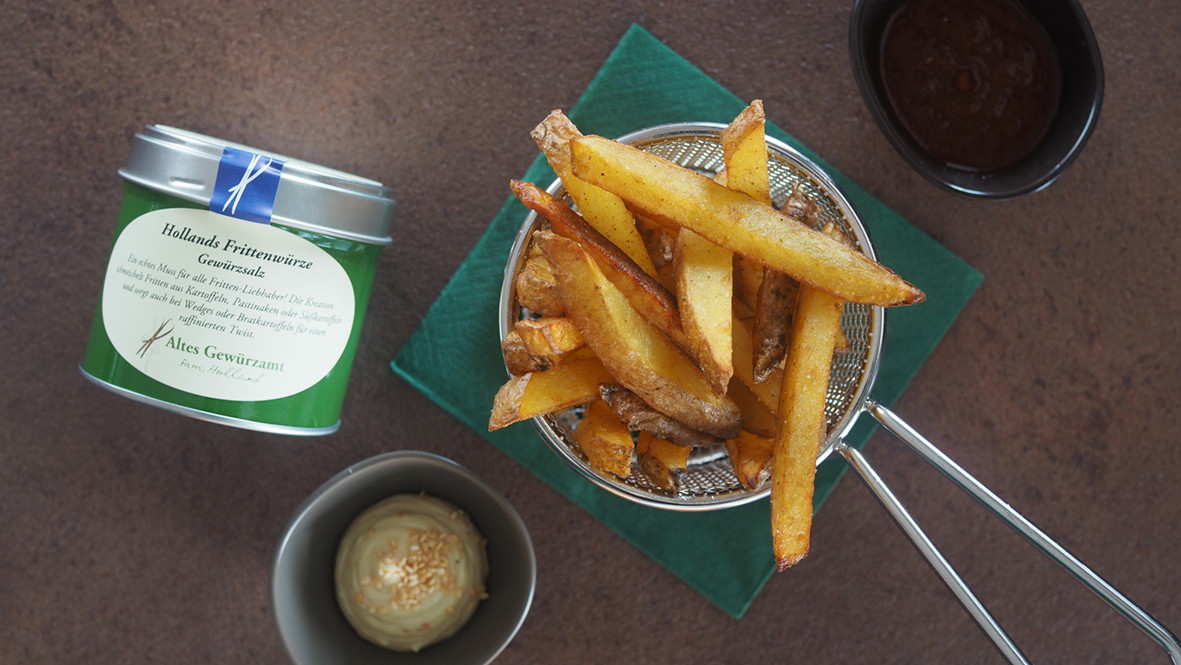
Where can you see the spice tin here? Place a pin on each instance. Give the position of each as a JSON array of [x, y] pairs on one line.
[[237, 283]]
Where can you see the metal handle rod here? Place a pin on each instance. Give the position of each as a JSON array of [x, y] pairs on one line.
[[950, 577], [1084, 575]]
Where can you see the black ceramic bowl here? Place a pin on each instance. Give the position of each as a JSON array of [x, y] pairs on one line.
[[1081, 98]]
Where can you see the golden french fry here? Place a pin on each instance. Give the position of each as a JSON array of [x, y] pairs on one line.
[[748, 274], [605, 440], [744, 151], [664, 461], [750, 457], [570, 383], [757, 418], [772, 322], [605, 211], [767, 391], [661, 241], [815, 328], [535, 345], [537, 290], [710, 277], [777, 299], [705, 292], [645, 293], [640, 417], [519, 358], [741, 309], [640, 357], [663, 190], [748, 277]]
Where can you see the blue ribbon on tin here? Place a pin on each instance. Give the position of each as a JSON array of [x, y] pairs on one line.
[[246, 185]]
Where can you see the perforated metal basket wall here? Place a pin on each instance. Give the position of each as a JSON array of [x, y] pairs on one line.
[[710, 483]]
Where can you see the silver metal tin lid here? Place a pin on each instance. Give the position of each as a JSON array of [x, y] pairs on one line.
[[310, 197]]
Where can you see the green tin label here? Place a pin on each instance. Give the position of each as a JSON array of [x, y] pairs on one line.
[[221, 308], [246, 324]]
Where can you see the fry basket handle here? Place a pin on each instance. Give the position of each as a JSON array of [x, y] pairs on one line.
[[1084, 575]]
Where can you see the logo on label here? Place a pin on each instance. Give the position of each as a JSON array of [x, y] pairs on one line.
[[160, 333], [246, 185]]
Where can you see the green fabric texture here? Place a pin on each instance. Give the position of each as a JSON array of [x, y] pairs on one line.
[[454, 356]]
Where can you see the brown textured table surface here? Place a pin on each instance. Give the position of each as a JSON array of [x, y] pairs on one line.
[[130, 535]]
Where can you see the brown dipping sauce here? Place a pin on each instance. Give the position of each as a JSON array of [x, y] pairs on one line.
[[976, 83]]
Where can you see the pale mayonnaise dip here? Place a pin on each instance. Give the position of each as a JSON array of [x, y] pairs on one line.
[[410, 571]]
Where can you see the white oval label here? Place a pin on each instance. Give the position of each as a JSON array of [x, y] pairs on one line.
[[224, 308]]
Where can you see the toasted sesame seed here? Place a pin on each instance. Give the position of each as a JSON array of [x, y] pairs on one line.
[[410, 579]]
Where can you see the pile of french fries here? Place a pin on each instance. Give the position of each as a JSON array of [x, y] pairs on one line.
[[684, 311]]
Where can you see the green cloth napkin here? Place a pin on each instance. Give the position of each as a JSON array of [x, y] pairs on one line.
[[454, 355]]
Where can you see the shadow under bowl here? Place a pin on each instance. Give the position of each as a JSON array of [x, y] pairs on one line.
[[1081, 98], [303, 592]]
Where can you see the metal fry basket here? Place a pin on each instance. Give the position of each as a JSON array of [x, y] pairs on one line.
[[709, 483]]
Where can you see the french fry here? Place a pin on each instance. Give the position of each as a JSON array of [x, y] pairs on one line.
[[537, 289], [664, 461], [744, 155], [663, 190], [705, 293], [744, 151], [748, 277], [766, 391], [605, 211], [640, 357], [643, 291], [770, 292], [741, 309], [757, 418], [750, 457], [816, 325], [745, 170], [640, 417], [661, 241], [772, 322], [748, 274], [605, 440], [535, 345], [570, 383]]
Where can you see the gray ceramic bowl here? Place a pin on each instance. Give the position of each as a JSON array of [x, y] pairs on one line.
[[1078, 112], [311, 625]]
